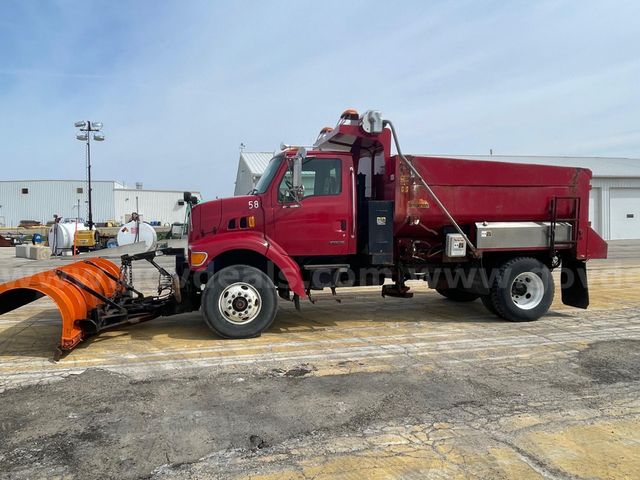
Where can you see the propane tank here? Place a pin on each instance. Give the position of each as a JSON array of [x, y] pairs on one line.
[[61, 236], [136, 231]]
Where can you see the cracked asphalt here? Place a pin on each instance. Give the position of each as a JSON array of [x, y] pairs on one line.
[[370, 388]]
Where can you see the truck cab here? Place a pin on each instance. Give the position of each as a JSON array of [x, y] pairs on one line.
[[317, 219]]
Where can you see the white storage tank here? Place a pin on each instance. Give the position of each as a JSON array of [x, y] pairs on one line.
[[134, 232], [61, 236]]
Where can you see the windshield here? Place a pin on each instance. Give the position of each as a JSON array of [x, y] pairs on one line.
[[267, 176]]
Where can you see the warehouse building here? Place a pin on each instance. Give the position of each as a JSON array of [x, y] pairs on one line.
[[614, 203], [250, 168], [39, 200]]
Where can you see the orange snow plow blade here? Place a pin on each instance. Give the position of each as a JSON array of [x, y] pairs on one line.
[[77, 289]]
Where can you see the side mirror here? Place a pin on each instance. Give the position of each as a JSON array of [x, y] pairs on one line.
[[190, 199], [296, 174]]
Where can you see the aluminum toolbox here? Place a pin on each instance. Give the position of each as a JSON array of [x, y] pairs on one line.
[[500, 235]]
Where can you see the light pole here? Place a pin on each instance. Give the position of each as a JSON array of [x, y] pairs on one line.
[[88, 127], [75, 233]]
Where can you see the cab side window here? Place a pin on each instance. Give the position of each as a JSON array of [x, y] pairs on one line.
[[319, 176]]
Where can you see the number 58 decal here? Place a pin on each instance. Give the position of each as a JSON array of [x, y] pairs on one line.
[[254, 204]]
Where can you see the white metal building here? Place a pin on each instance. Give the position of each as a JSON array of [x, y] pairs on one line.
[[250, 168], [614, 203], [39, 200], [164, 206]]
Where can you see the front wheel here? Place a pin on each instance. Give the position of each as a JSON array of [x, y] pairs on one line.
[[523, 290], [239, 302]]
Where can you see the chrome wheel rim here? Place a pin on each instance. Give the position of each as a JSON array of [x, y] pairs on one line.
[[240, 303], [527, 291]]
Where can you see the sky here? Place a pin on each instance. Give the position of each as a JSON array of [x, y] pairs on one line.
[[180, 84]]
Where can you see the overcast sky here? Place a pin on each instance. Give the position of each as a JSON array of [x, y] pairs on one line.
[[180, 84]]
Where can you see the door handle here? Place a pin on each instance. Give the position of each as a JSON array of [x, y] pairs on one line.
[[353, 202], [343, 225]]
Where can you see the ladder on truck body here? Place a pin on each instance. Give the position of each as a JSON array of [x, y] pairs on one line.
[[574, 221]]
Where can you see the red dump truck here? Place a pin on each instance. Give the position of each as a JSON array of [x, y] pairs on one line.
[[348, 212]]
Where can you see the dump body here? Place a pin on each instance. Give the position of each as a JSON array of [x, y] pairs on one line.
[[483, 191]]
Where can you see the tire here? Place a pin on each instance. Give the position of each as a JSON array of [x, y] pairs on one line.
[[457, 295], [488, 304], [239, 302], [523, 290]]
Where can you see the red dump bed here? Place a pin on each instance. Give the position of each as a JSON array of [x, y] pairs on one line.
[[476, 191]]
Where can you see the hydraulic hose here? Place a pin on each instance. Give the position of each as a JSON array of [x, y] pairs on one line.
[[426, 185]]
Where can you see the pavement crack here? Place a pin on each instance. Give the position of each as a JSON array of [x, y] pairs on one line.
[[533, 461]]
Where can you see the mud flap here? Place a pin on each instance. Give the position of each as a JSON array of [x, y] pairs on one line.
[[573, 280]]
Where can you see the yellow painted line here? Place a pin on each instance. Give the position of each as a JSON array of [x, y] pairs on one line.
[[312, 352], [436, 340]]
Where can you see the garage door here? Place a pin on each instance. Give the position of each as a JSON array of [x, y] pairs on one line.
[[624, 213], [594, 208]]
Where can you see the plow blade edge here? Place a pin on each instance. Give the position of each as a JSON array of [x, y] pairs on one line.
[[77, 289]]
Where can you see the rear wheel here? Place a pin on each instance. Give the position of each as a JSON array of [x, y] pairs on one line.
[[239, 302], [488, 304], [523, 290], [457, 295]]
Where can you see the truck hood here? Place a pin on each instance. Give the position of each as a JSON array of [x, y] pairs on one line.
[[226, 214]]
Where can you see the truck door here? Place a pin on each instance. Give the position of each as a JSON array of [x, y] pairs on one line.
[[321, 223]]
